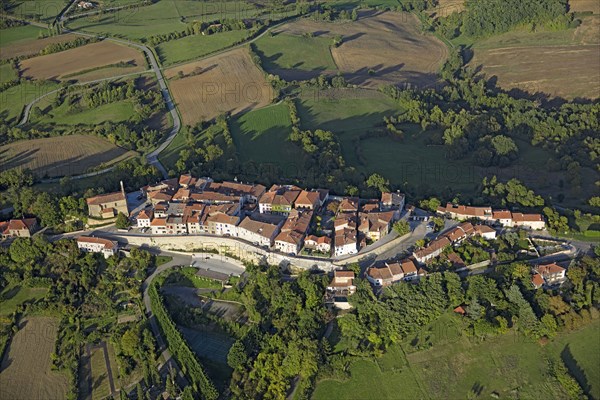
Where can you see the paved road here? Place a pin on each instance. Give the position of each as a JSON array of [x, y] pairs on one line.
[[177, 259], [170, 106]]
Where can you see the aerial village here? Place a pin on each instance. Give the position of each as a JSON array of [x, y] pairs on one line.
[[299, 222]]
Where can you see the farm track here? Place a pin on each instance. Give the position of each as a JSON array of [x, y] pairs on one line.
[[153, 156]]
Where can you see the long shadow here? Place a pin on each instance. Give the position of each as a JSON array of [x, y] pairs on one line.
[[575, 370]]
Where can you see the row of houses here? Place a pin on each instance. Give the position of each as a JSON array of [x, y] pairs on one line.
[[504, 217], [452, 237], [355, 225], [390, 273]]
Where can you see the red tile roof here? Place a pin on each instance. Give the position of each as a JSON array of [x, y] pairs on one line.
[[105, 198], [108, 244]]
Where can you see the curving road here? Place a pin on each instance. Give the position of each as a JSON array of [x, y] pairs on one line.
[[28, 107]]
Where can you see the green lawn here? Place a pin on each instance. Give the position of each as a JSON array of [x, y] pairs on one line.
[[119, 111], [19, 34], [12, 296], [348, 114], [42, 10], [262, 135], [187, 277], [580, 351], [291, 52], [455, 366], [7, 73], [13, 100], [162, 17], [193, 47], [370, 381]]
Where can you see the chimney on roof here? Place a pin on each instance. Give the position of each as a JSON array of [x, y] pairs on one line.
[[122, 188]]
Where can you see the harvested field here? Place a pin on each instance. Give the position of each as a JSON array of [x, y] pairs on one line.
[[229, 82], [584, 5], [379, 48], [447, 7], [25, 371], [61, 155], [29, 45], [84, 59], [560, 64]]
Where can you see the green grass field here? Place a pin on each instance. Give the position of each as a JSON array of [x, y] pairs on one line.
[[291, 52], [119, 111], [348, 115], [193, 47], [160, 18], [12, 296], [585, 362], [42, 10], [7, 73], [456, 366], [13, 100], [19, 34], [262, 135]]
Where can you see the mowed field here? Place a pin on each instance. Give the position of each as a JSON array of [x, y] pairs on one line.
[[66, 64], [39, 10], [61, 155], [228, 82], [23, 41], [193, 47], [561, 64], [584, 5], [95, 378], [261, 136], [378, 48], [25, 371], [458, 367], [162, 17]]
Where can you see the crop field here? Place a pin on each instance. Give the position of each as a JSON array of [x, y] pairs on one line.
[[14, 99], [457, 367], [560, 64], [23, 41], [378, 48], [61, 155], [66, 64], [261, 135], [39, 10], [295, 57], [95, 378], [228, 82], [193, 47], [25, 371], [162, 17], [447, 7], [584, 5]]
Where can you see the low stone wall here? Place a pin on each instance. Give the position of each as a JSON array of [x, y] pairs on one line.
[[224, 245]]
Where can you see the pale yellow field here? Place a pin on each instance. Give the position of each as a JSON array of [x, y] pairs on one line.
[[26, 372], [61, 155], [65, 64], [229, 82], [584, 5], [389, 44], [560, 64]]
